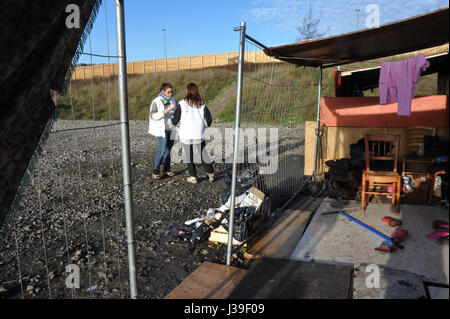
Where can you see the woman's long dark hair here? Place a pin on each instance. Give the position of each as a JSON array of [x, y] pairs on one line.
[[193, 97]]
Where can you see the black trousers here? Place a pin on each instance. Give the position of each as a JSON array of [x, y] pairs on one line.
[[190, 160]]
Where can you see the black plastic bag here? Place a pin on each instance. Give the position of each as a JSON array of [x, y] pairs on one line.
[[201, 233], [245, 180], [181, 231], [243, 222]]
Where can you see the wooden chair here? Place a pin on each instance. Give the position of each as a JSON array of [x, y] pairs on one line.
[[412, 162], [381, 147]]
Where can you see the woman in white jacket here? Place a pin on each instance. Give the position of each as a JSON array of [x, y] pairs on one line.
[[162, 109], [193, 117]]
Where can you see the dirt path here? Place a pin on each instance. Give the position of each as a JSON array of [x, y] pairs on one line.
[[217, 104]]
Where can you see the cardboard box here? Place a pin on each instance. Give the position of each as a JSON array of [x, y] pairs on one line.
[[220, 235]]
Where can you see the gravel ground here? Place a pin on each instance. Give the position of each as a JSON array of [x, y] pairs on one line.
[[72, 213]]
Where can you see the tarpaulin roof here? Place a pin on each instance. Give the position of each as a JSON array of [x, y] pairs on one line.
[[398, 37]]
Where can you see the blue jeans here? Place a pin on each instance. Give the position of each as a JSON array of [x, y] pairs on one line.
[[164, 146]]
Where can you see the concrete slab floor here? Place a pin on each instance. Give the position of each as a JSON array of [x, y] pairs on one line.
[[391, 284], [336, 239], [438, 292]]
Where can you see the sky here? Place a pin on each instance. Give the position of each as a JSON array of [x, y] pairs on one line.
[[199, 27]]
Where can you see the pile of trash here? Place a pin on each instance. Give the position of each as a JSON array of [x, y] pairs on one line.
[[248, 202]]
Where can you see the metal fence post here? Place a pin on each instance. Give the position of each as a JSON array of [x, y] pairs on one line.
[[125, 141], [316, 149], [236, 137]]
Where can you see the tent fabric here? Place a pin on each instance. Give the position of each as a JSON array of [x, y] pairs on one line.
[[367, 112], [420, 32], [37, 54]]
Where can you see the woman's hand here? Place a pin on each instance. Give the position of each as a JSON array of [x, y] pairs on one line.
[[168, 110]]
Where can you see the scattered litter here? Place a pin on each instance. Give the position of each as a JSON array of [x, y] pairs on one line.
[[392, 221], [248, 203], [441, 231], [193, 221], [92, 288]]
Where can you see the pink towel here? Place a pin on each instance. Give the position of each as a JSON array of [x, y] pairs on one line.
[[397, 81]]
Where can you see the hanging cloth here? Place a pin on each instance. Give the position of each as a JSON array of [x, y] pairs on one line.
[[397, 81]]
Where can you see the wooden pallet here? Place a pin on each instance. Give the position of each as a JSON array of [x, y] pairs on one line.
[[208, 281], [281, 239]]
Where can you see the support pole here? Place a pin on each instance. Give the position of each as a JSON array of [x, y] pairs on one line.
[[236, 137], [125, 141], [316, 149]]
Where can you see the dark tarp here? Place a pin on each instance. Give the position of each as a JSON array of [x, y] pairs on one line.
[[37, 52], [399, 37]]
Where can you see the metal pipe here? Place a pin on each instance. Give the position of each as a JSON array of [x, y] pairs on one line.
[[165, 53], [236, 137], [318, 119], [125, 141], [257, 42]]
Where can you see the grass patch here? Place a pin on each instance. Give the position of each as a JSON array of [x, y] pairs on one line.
[[275, 94]]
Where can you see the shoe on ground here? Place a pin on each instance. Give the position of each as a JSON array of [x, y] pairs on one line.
[[211, 177], [192, 179], [155, 174], [169, 173]]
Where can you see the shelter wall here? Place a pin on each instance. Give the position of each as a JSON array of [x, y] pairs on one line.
[[336, 142]]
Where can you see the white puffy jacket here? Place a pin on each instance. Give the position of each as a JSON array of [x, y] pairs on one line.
[[158, 121]]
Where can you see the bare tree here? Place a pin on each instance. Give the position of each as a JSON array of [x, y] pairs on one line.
[[309, 28]]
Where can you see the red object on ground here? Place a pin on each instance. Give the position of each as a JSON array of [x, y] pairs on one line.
[[438, 234], [386, 247], [440, 224], [391, 221], [399, 235], [367, 112]]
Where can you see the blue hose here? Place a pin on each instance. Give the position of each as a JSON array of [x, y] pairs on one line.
[[365, 226]]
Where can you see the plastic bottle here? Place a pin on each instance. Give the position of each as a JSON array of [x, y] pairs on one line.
[[195, 220]]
